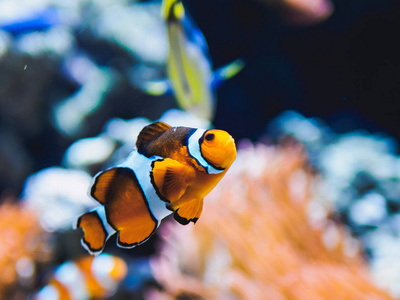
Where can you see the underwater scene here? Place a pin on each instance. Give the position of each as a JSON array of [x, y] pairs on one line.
[[176, 149]]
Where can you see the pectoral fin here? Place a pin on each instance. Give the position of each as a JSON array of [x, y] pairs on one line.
[[188, 212], [226, 72], [157, 88], [171, 178]]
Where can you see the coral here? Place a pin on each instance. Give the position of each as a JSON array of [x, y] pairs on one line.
[[360, 177], [263, 235], [23, 245]]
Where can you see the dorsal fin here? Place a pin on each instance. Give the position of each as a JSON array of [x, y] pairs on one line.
[[150, 133]]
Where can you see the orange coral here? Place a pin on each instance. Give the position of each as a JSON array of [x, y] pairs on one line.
[[22, 244], [255, 239]]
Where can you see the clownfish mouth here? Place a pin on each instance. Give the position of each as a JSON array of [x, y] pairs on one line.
[[230, 145], [230, 148], [231, 140]]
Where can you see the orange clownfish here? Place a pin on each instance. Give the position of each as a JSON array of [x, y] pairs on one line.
[[86, 278], [171, 171]]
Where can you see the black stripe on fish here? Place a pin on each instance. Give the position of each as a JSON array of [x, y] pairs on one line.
[[153, 182]]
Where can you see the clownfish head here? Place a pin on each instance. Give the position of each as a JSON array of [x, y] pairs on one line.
[[218, 148]]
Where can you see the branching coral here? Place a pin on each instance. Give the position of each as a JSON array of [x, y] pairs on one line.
[[23, 244], [261, 237]]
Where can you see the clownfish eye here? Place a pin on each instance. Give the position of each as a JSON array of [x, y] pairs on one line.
[[209, 136]]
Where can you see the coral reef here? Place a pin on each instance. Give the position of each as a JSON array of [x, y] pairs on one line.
[[263, 235], [23, 246], [360, 177]]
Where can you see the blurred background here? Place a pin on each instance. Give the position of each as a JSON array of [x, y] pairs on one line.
[[314, 113]]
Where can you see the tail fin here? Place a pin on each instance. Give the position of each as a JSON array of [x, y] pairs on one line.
[[96, 230]]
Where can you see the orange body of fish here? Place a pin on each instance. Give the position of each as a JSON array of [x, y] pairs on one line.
[[171, 171]]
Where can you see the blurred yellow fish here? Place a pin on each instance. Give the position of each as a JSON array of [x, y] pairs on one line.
[[87, 278], [171, 171], [189, 68]]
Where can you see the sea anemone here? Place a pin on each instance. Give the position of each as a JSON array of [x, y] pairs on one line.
[[23, 245], [263, 234]]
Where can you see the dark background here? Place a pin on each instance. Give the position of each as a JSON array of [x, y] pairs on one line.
[[345, 70]]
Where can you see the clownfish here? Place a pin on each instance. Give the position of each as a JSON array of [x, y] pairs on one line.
[[189, 69], [86, 278], [171, 170]]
